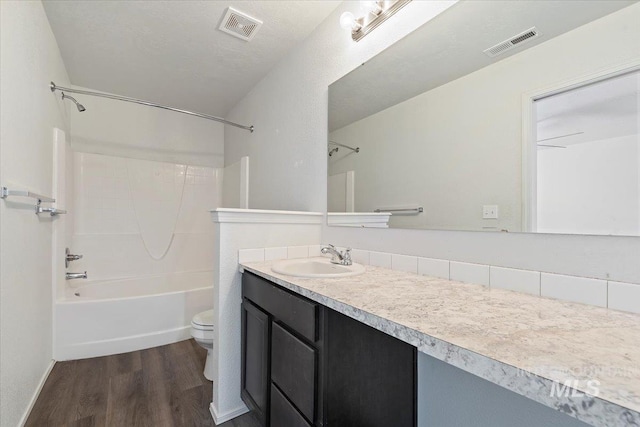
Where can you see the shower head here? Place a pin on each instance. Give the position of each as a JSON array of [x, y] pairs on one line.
[[335, 150], [78, 105]]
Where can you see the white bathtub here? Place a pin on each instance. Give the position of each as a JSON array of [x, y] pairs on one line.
[[116, 316]]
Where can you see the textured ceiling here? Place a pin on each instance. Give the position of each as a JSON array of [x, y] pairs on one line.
[[451, 46], [171, 52]]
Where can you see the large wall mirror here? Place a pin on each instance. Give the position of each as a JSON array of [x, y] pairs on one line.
[[452, 129]]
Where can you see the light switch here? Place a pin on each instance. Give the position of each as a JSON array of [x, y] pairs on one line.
[[490, 212]]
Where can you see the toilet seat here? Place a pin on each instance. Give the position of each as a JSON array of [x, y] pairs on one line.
[[202, 326], [203, 321]]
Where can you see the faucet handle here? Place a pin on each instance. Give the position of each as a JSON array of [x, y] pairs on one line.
[[346, 257], [68, 257]]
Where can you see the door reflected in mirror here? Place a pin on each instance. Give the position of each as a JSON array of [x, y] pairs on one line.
[[588, 159], [542, 137]]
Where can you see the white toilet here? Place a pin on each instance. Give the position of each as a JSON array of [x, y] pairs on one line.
[[202, 332]]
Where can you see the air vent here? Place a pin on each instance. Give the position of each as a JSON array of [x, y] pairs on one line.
[[514, 41], [239, 24]]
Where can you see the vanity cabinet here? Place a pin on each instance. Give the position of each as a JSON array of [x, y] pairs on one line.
[[305, 365]]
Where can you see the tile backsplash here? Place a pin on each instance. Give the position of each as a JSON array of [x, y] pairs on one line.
[[614, 295], [469, 273]]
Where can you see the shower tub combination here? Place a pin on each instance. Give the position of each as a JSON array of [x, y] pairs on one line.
[[142, 225], [117, 316]]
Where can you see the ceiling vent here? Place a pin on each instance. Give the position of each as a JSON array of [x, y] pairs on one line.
[[239, 24], [514, 41]]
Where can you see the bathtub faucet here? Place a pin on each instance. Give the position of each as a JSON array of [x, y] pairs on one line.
[[76, 275], [68, 257]]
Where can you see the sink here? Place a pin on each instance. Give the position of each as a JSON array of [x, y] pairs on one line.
[[315, 267]]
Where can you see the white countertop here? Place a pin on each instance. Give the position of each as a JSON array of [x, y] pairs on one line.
[[527, 344]]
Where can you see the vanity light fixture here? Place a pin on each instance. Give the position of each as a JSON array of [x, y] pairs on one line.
[[374, 13]]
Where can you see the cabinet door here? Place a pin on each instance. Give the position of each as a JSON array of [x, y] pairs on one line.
[[370, 376], [255, 359]]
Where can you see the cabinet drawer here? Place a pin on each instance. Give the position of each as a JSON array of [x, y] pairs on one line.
[[283, 413], [297, 313], [293, 369]]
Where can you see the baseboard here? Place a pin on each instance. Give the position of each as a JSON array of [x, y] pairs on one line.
[[36, 393], [121, 345], [229, 415]]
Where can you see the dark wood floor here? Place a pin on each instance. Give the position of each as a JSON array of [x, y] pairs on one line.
[[161, 386]]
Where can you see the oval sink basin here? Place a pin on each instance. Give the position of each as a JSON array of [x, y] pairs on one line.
[[315, 267]]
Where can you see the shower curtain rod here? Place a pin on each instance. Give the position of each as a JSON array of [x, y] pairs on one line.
[[357, 149], [53, 88]]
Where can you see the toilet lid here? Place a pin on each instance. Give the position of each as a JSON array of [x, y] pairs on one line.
[[203, 319]]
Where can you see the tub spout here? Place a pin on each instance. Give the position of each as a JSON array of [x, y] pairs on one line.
[[76, 275]]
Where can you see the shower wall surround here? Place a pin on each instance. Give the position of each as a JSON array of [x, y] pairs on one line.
[[135, 218]]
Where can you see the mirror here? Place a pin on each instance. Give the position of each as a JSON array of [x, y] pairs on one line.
[[452, 129]]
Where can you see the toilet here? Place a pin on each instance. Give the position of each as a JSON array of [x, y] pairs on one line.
[[202, 332]]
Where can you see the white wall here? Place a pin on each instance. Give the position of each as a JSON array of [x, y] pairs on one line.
[[289, 109], [235, 185], [29, 111], [130, 130], [590, 188]]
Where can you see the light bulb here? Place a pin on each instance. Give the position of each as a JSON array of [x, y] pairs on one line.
[[347, 21], [370, 6]]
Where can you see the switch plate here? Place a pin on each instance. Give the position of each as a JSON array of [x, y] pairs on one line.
[[490, 212]]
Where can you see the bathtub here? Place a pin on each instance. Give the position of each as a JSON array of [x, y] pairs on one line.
[[117, 316]]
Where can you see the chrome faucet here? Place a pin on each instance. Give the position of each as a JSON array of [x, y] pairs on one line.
[[71, 276], [68, 257], [337, 257]]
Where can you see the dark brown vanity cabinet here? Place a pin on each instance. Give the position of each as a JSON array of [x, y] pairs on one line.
[[304, 364]]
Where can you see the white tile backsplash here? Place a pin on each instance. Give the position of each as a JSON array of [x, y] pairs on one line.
[[380, 259], [433, 267], [250, 255], [297, 252], [469, 273], [576, 289], [275, 253], [405, 263], [615, 295], [360, 256], [515, 280], [624, 296], [314, 250]]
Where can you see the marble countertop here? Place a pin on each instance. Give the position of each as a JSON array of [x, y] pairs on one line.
[[530, 345]]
